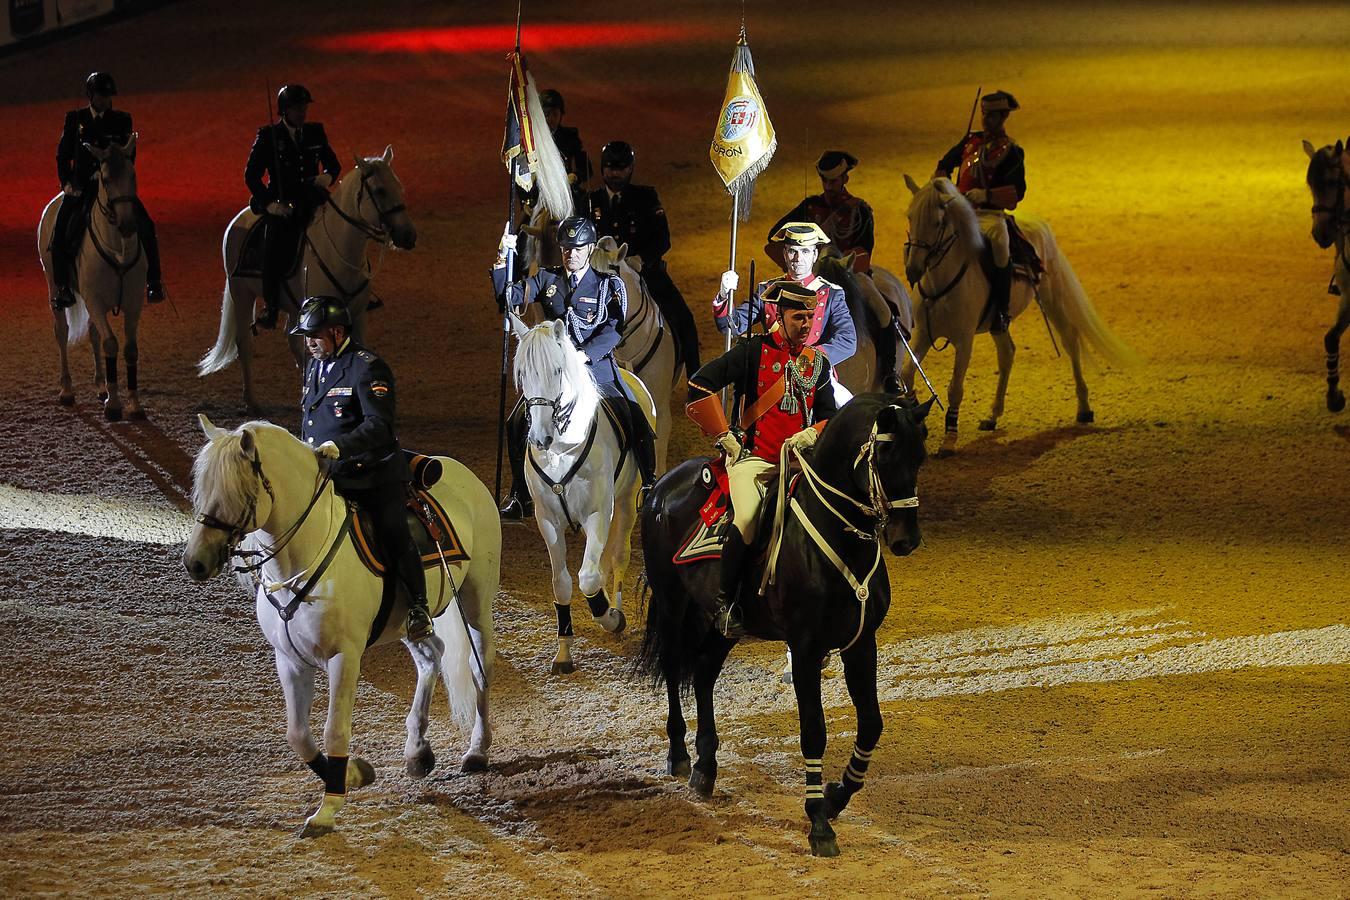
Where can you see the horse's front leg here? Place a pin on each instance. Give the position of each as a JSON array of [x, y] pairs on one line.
[[131, 354], [61, 325], [1007, 349], [811, 715], [344, 669], [591, 576], [711, 655], [956, 391], [245, 298], [562, 591], [418, 757], [860, 674], [1332, 342]]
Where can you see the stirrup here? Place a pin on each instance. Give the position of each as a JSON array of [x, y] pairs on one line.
[[728, 622], [515, 509], [268, 318], [154, 292], [419, 624], [64, 299]]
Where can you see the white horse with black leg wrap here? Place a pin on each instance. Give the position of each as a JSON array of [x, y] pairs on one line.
[[261, 497], [579, 475]]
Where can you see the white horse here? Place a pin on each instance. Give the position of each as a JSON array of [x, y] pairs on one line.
[[943, 257], [366, 207], [1329, 180], [108, 277], [259, 495], [577, 474], [648, 346]]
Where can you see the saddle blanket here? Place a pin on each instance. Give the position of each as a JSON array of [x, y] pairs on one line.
[[425, 534]]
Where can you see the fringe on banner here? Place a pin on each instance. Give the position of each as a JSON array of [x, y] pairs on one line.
[[743, 187], [550, 173]]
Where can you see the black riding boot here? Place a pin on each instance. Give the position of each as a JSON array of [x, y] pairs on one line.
[[887, 347], [517, 504], [280, 243], [644, 445], [1000, 292], [154, 278], [727, 620], [62, 253]]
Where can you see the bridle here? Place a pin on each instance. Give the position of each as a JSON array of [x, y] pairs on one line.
[[378, 232], [562, 412], [934, 253]]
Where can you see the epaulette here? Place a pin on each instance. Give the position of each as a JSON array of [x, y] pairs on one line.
[[366, 355], [829, 284]]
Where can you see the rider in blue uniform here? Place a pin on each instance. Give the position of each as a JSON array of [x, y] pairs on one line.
[[347, 416], [593, 306]]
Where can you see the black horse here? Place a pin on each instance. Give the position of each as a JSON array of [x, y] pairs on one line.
[[857, 491], [1331, 224]]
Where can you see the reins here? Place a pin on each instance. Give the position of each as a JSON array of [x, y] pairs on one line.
[[380, 233], [877, 509]]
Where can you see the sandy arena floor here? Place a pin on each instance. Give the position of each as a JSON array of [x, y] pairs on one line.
[[1117, 666]]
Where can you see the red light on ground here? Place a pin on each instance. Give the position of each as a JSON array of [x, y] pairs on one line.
[[501, 38]]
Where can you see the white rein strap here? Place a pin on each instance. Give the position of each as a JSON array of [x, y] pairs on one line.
[[877, 510]]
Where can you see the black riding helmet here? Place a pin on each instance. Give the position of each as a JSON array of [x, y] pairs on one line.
[[291, 94], [617, 155], [100, 83], [576, 231], [318, 313], [551, 99]]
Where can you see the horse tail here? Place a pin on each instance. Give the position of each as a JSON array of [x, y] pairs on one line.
[[77, 319], [457, 666], [226, 349], [1071, 311], [671, 637]]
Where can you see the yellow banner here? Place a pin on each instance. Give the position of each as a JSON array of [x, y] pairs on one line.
[[744, 140]]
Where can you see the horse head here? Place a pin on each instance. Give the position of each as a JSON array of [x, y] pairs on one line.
[[609, 256], [117, 183], [227, 487], [1328, 181], [379, 200], [937, 215], [873, 449], [551, 376]]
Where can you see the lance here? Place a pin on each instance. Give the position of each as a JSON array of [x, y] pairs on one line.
[[970, 123], [918, 368]]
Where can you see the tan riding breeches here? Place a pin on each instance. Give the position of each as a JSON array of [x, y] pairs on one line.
[[994, 224], [747, 480]]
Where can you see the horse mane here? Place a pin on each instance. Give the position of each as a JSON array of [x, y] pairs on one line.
[[222, 473], [542, 355], [967, 222]]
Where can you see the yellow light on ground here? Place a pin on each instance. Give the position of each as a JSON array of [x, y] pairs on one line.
[[128, 520]]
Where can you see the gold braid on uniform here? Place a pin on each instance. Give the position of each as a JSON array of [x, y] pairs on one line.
[[799, 382]]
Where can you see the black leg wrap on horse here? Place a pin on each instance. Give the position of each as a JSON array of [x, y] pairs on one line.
[[564, 619], [110, 369], [953, 417], [815, 785], [335, 779], [131, 375], [319, 766], [599, 604]]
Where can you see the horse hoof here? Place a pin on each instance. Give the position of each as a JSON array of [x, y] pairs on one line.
[[102, 396], [365, 773], [473, 761], [420, 764], [623, 623], [944, 452], [988, 424], [112, 413], [679, 768], [311, 830], [701, 783], [824, 846], [66, 399], [1086, 418], [786, 677], [1335, 401], [565, 667]]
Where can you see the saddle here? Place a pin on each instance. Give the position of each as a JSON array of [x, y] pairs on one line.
[[250, 262], [1026, 263], [427, 522]]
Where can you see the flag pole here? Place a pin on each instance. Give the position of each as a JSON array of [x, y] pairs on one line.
[[731, 295], [511, 213]]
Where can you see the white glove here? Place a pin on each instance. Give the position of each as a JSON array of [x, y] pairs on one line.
[[328, 450], [70, 190], [279, 209], [728, 444], [322, 180], [508, 240], [730, 281], [978, 196], [803, 440]]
